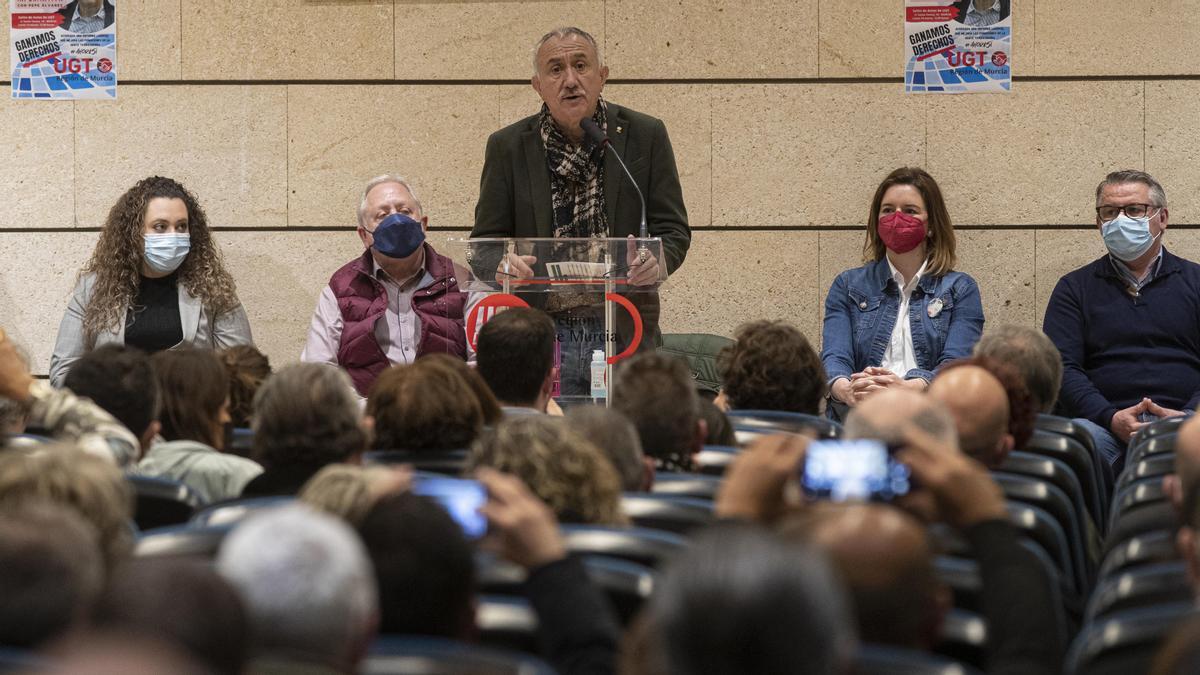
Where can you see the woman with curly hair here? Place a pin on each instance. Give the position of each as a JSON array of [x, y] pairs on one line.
[[155, 281]]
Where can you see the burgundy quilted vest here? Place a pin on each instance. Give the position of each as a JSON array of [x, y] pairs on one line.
[[362, 300]]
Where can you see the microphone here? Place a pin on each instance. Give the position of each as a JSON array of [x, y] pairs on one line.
[[597, 135]]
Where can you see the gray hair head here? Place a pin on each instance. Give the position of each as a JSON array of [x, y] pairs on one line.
[[306, 581], [1157, 194], [380, 180], [564, 32], [307, 414], [883, 417], [1032, 354]]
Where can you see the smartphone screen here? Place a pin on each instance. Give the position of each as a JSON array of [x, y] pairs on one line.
[[461, 498], [853, 470]]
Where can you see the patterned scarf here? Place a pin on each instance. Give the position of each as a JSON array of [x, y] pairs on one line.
[[576, 179]]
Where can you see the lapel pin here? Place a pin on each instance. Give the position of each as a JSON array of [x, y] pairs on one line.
[[619, 130], [934, 308]]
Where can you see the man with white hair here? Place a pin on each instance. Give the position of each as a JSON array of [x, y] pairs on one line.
[[308, 587], [396, 301]]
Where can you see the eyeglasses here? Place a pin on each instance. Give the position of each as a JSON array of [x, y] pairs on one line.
[[1107, 213]]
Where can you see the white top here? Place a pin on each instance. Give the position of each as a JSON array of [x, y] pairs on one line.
[[900, 357]]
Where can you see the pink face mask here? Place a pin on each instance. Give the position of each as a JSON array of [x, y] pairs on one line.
[[901, 232]]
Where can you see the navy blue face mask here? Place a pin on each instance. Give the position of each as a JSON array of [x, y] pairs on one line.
[[398, 236]]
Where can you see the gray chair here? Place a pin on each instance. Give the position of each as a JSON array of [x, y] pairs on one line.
[[1124, 642], [667, 512], [420, 655]]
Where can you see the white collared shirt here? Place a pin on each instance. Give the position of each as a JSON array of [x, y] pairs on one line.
[[900, 355], [983, 13], [88, 24]]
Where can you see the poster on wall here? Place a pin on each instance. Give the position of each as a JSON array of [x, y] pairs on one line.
[[957, 46], [63, 50]]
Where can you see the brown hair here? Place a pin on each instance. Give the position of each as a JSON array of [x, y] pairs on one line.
[[772, 366], [488, 405], [193, 387], [248, 368], [423, 406], [940, 228]]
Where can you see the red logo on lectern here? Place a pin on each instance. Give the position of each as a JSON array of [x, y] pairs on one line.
[[486, 309]]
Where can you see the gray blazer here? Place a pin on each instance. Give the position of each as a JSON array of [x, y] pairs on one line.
[[199, 329]]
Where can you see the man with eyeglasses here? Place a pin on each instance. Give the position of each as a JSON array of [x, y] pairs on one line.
[[1128, 324]]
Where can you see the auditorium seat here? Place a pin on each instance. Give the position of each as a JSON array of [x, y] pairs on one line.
[[712, 460], [750, 425], [1138, 550], [667, 512], [1124, 642], [1056, 472], [1142, 586], [1143, 519], [241, 442], [1169, 425], [1137, 494], [1153, 466], [234, 511], [13, 660], [1094, 476], [1042, 528], [420, 655], [160, 502], [695, 485], [1049, 498], [197, 542], [23, 440], [444, 462], [506, 622], [961, 575], [963, 637], [639, 545], [1152, 447], [872, 659]]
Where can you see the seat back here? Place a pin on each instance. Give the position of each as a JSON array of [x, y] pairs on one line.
[[712, 460], [696, 485], [1139, 493], [1142, 519], [1152, 446], [241, 441], [420, 655], [1043, 529], [185, 541], [873, 659], [1094, 482], [1142, 586], [161, 502], [235, 511], [1169, 425], [961, 575], [1124, 642], [667, 512], [444, 462], [1150, 467], [750, 425], [963, 637], [506, 622], [1138, 550], [1049, 498], [647, 547]]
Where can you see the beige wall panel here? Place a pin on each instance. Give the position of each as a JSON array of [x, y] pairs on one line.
[[287, 39], [228, 144], [840, 251], [1033, 156], [149, 41], [1001, 263], [733, 277], [1076, 38], [480, 39], [5, 59], [1173, 145], [37, 173], [342, 136], [712, 38], [1059, 252], [865, 38], [33, 297], [809, 154]]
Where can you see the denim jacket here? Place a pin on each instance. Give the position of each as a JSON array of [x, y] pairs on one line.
[[860, 313]]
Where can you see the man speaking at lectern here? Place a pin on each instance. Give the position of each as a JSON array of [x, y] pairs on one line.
[[544, 177]]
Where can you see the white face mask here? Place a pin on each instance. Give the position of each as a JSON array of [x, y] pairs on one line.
[[164, 253]]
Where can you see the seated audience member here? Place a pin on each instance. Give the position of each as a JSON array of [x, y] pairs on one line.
[[194, 415], [397, 301], [63, 415], [121, 380], [515, 356], [614, 434], [349, 491], [720, 431], [488, 404], [50, 573], [977, 401], [423, 407], [305, 417], [307, 586], [656, 393], [182, 602], [561, 467], [772, 366], [1032, 354], [741, 600], [248, 368], [90, 486], [1125, 324], [884, 419]]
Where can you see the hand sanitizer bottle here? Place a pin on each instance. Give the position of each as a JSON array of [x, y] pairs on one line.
[[599, 386]]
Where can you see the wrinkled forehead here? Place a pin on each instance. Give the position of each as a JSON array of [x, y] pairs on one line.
[[1131, 192], [388, 193], [565, 48]]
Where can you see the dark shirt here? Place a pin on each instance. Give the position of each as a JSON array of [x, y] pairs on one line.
[[154, 323], [1118, 346], [577, 629], [280, 481]]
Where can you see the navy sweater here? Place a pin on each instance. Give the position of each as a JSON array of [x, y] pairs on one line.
[[1118, 347]]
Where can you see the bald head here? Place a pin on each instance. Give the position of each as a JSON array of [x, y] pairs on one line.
[[883, 416], [884, 557], [979, 405]]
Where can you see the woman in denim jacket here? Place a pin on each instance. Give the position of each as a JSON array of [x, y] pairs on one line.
[[910, 254]]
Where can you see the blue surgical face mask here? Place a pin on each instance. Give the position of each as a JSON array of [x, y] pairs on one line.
[[1128, 238], [166, 252], [398, 236]]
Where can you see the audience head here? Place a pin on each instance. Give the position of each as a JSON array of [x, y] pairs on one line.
[[349, 491], [560, 467], [515, 356], [121, 380], [90, 486], [182, 602], [939, 237], [742, 601], [614, 434], [248, 368], [1033, 355], [310, 594], [884, 557], [195, 396], [883, 416], [658, 395], [50, 572], [488, 405], [980, 408], [13, 415], [424, 567], [423, 407], [720, 431], [772, 366], [307, 415]]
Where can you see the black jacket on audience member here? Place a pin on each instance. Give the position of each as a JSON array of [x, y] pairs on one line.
[[577, 629]]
